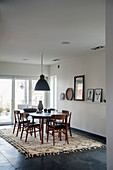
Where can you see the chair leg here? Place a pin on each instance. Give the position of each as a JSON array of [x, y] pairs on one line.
[[14, 128], [22, 133], [31, 130], [47, 134], [46, 126], [34, 132], [40, 122], [60, 136], [17, 130], [26, 136], [40, 133], [67, 137], [53, 138], [70, 131]]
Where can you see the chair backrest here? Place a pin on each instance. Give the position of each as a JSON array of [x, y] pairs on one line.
[[70, 118], [52, 109], [62, 117], [70, 114], [17, 116], [65, 111], [25, 118]]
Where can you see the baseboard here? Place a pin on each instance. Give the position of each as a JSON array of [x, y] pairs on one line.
[[90, 135]]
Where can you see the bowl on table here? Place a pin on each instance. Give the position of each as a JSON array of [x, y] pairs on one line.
[[30, 110]]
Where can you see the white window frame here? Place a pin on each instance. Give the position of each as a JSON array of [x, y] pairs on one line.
[[53, 92], [13, 77]]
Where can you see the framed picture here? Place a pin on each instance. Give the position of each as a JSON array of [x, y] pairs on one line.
[[90, 95], [79, 85], [98, 95]]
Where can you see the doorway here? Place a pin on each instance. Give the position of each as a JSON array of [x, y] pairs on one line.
[[18, 93], [5, 101]]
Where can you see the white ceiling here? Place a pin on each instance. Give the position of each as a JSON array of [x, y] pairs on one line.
[[29, 27]]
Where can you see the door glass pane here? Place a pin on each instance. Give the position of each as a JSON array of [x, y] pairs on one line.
[[5, 100], [21, 94], [37, 95]]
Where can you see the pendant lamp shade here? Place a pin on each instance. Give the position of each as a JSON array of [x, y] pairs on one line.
[[42, 83]]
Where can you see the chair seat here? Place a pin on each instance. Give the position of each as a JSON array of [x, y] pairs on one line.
[[35, 124], [58, 126], [32, 124]]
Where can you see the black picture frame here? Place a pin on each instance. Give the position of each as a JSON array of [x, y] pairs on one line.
[[90, 95], [79, 86], [98, 95]]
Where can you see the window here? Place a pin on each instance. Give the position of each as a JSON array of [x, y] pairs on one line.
[[53, 92], [18, 93], [37, 95], [21, 94], [5, 100]]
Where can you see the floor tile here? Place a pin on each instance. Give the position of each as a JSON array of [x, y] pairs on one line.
[[6, 166]]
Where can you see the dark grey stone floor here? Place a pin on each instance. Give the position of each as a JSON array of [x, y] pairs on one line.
[[94, 159]]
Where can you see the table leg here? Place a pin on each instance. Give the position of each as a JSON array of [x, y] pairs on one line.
[[42, 129], [32, 119]]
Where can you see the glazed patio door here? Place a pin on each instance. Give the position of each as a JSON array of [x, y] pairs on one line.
[[18, 93], [21, 93], [5, 101]]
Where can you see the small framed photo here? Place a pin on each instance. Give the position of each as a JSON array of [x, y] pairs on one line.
[[90, 95], [98, 95]]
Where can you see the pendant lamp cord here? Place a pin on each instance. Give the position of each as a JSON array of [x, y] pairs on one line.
[[41, 63]]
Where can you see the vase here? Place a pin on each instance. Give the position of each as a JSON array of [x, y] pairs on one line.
[[40, 106]]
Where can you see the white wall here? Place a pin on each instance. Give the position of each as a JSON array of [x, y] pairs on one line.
[[22, 69], [86, 116], [109, 85]]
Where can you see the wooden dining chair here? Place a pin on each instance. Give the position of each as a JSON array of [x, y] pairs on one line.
[[69, 123], [45, 122], [68, 120], [57, 128], [18, 122], [30, 127]]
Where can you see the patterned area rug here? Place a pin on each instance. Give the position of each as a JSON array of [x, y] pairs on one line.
[[33, 146]]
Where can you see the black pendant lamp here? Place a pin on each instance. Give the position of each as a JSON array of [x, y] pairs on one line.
[[42, 83]]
